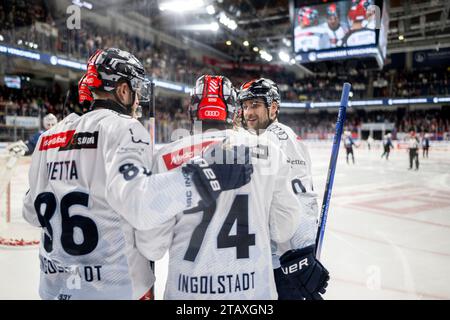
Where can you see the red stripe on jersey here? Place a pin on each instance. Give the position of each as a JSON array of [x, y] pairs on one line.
[[179, 157]]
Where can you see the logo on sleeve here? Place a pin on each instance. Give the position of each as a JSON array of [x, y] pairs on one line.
[[56, 140], [278, 131], [179, 157]]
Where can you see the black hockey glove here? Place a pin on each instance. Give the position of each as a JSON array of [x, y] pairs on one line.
[[287, 290], [305, 272], [219, 170]]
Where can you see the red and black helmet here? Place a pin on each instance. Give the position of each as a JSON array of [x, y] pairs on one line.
[[307, 17], [262, 88], [332, 10], [84, 94], [106, 68], [358, 10], [213, 99]]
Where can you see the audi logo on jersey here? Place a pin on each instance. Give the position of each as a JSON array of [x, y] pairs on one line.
[[212, 113]]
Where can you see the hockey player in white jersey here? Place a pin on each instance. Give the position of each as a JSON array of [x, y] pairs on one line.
[[260, 103], [334, 30], [91, 184], [223, 251]]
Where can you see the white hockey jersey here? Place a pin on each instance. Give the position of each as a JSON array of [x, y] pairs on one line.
[[90, 185], [300, 162], [224, 251], [310, 38], [334, 37], [360, 37]]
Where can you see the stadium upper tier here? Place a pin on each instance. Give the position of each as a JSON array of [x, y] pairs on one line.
[[31, 26]]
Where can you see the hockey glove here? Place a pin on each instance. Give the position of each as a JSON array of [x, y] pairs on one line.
[[286, 289], [213, 174], [305, 272], [17, 149]]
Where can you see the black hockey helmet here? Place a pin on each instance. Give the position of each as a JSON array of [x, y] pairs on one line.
[[260, 88], [107, 68]]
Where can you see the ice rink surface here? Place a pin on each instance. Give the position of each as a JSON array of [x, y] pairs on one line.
[[387, 236]]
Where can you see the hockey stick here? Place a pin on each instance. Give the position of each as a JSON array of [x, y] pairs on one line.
[[152, 128], [152, 123], [332, 168]]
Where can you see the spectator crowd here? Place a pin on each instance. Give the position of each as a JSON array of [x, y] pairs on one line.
[[30, 24]]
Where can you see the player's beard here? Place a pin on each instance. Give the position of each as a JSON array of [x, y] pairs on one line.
[[257, 123]]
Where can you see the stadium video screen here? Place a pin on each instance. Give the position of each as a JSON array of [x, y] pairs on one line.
[[334, 25], [12, 82]]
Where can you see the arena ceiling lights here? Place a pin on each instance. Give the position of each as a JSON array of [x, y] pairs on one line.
[[213, 26], [284, 56], [227, 22], [83, 4], [265, 55], [210, 10], [181, 6]]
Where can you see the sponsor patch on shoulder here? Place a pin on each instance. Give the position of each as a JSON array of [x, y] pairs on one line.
[[56, 140], [70, 140]]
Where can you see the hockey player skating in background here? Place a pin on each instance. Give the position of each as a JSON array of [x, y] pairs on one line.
[[387, 145], [413, 148], [369, 142], [48, 122], [425, 145], [260, 102], [348, 144], [91, 184], [14, 151], [223, 250]]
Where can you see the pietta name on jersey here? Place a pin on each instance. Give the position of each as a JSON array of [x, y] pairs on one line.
[[69, 140], [62, 170]]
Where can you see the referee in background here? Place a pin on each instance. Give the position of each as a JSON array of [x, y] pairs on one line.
[[413, 146]]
